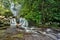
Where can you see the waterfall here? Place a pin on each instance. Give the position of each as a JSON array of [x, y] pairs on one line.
[[15, 8]]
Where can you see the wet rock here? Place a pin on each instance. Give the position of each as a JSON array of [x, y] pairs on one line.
[[58, 36], [48, 30], [11, 31]]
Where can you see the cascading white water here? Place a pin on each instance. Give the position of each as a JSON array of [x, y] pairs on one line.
[[15, 8]]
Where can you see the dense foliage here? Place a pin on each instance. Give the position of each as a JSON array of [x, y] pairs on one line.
[[37, 12]]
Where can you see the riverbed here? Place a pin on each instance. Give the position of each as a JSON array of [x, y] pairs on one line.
[[23, 36]]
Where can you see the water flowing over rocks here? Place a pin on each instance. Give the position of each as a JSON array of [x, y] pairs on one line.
[[32, 34], [23, 32]]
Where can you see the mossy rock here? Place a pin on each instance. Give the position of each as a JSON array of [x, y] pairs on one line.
[[18, 36]]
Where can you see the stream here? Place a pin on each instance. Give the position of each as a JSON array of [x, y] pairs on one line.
[[29, 34]]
